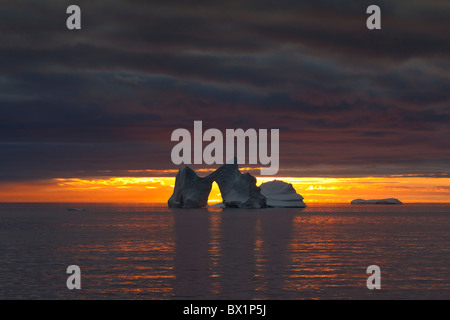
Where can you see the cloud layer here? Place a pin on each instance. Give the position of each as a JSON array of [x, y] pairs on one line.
[[348, 101]]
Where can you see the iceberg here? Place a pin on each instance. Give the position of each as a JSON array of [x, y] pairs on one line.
[[218, 205], [377, 201], [238, 190], [281, 194], [76, 209], [191, 191]]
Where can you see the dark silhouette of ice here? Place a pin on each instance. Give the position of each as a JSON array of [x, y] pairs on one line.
[[191, 191], [238, 190]]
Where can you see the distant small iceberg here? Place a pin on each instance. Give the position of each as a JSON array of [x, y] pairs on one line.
[[377, 201], [76, 209]]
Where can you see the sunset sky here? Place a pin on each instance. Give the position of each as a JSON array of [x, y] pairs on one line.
[[87, 115]]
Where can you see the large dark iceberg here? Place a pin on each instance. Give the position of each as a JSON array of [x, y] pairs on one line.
[[191, 191], [238, 190]]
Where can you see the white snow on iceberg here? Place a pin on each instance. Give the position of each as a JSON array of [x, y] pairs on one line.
[[281, 194]]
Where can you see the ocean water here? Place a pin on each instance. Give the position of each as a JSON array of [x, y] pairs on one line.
[[141, 251]]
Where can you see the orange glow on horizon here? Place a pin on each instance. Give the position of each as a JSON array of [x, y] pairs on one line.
[[158, 189]]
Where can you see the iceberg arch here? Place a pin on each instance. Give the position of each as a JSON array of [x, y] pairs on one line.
[[238, 190]]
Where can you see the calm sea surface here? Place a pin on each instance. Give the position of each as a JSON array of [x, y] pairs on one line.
[[152, 252]]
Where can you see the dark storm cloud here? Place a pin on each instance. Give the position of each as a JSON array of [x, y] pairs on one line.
[[107, 97]]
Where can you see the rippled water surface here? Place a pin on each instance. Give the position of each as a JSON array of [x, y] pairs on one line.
[[151, 252]]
